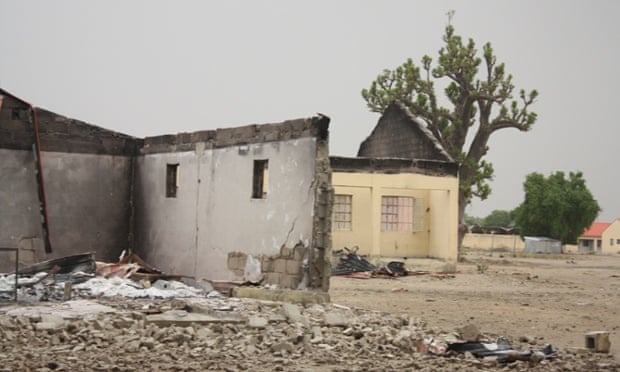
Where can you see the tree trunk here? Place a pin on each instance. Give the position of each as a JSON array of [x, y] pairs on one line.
[[462, 230]]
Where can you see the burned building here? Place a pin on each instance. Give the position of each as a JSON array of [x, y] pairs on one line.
[[228, 204], [236, 199], [65, 185]]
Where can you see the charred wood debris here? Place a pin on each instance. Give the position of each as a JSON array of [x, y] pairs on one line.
[[350, 264]]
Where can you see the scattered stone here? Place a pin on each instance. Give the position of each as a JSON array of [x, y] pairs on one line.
[[468, 332], [257, 322], [293, 315], [246, 337], [334, 319]]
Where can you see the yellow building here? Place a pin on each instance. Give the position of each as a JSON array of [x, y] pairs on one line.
[[601, 237], [395, 207]]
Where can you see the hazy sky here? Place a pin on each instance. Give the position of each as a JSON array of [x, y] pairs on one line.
[[153, 67]]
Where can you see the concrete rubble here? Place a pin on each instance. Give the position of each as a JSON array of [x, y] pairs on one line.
[[229, 334]]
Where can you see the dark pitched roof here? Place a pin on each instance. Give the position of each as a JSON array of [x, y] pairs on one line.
[[397, 108]]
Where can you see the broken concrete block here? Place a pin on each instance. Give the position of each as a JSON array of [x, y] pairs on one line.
[[257, 322], [279, 266], [468, 332], [184, 319], [289, 281], [282, 346], [50, 322], [293, 267], [292, 314], [598, 341], [48, 326], [283, 295], [336, 320]]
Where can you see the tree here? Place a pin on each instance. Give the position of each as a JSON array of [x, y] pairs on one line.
[[482, 105], [472, 220], [556, 207], [498, 218]]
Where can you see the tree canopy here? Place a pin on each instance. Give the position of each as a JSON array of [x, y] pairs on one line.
[[482, 104], [499, 218], [556, 207]]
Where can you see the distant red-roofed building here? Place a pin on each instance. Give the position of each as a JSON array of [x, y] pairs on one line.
[[601, 237]]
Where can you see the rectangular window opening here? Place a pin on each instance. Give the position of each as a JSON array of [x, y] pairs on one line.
[[172, 180], [260, 179], [401, 213], [342, 212]]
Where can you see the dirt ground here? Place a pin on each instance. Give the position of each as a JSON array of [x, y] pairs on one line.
[[554, 298]]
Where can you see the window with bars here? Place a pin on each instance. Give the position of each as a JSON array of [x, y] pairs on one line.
[[342, 212], [402, 213]]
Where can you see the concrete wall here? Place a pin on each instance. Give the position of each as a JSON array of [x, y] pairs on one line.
[[213, 227], [214, 213], [611, 239], [103, 188], [19, 211], [87, 203], [87, 181], [494, 241], [439, 195]]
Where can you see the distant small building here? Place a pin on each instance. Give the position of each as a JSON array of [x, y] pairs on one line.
[[537, 244], [601, 237]]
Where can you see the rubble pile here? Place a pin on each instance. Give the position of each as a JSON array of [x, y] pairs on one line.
[[229, 334], [80, 276]]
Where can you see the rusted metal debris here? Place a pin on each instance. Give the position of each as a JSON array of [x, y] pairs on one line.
[[84, 262], [131, 266]]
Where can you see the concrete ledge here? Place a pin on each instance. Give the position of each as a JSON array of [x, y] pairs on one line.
[[282, 295]]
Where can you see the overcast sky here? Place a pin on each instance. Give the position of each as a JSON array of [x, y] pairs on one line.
[[153, 67]]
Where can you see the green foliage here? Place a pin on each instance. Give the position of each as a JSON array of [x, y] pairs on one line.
[[499, 218], [556, 207], [482, 104]]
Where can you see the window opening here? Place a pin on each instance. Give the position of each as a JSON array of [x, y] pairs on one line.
[[260, 179], [401, 213], [342, 212], [172, 180]]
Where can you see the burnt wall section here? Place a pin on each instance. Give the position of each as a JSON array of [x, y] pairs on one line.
[[398, 134], [220, 138], [19, 203], [87, 180], [16, 129], [88, 203], [394, 166], [87, 200], [215, 210], [61, 134], [58, 133]]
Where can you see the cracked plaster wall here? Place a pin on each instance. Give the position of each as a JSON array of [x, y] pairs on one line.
[[214, 215]]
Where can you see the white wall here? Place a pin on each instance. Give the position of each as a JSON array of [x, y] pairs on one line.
[[214, 214]]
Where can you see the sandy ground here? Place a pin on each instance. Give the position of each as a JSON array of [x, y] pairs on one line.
[[554, 298]]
